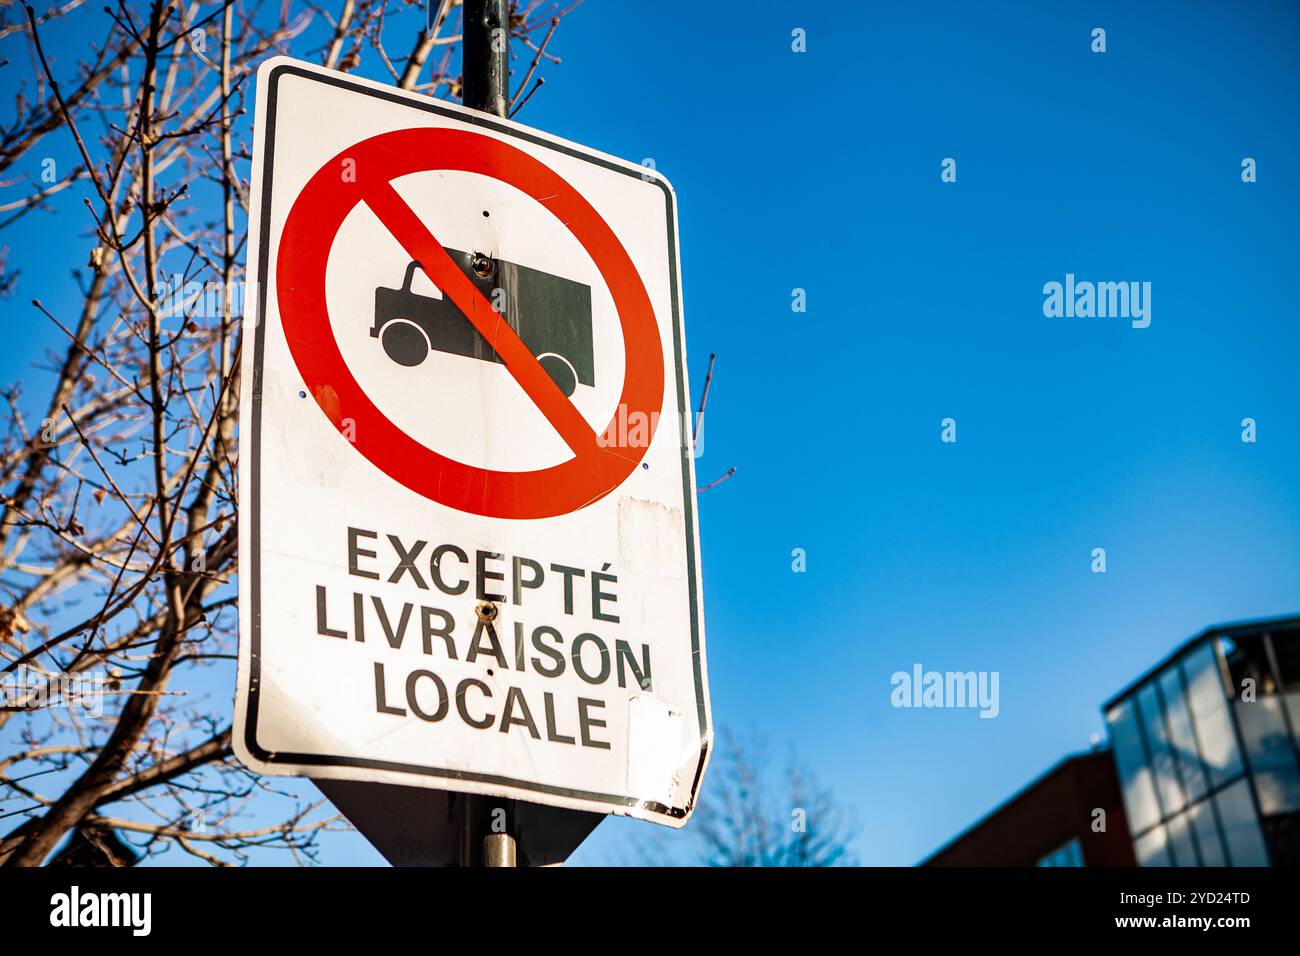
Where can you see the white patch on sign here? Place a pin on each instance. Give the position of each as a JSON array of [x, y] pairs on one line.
[[651, 538], [656, 732], [284, 435]]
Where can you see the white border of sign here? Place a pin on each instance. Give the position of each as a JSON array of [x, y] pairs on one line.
[[246, 710]]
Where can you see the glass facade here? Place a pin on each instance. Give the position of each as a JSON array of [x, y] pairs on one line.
[[1208, 752]]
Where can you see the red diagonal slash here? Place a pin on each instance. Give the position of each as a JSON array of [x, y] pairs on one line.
[[421, 245], [598, 465]]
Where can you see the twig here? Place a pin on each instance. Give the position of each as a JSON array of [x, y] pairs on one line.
[[715, 482]]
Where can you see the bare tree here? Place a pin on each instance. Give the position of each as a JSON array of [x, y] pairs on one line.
[[118, 506], [752, 815]]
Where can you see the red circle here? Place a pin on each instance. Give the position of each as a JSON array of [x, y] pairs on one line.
[[309, 232]]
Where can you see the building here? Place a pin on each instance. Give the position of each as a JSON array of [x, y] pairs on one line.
[[1202, 768], [1207, 749], [1054, 821]]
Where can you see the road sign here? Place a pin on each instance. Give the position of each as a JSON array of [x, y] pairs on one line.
[[468, 544]]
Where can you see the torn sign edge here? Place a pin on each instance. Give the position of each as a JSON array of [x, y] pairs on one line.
[[249, 679]]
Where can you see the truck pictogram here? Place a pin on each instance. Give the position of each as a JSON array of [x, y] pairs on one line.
[[551, 315]]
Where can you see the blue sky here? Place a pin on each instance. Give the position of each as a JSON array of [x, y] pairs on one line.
[[821, 171]]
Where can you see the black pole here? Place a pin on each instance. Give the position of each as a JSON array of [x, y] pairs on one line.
[[485, 56], [485, 86]]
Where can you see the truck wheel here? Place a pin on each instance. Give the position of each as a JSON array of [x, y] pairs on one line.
[[404, 342], [561, 372]]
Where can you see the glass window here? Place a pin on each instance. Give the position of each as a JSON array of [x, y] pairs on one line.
[[1270, 754], [1291, 701], [1181, 847], [1206, 828], [1248, 665], [1241, 829], [1262, 718], [1134, 775], [1168, 787], [1152, 848], [1182, 739], [1206, 697], [1286, 649]]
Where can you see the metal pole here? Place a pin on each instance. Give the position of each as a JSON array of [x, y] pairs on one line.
[[469, 825], [485, 56], [499, 850], [483, 837], [485, 86]]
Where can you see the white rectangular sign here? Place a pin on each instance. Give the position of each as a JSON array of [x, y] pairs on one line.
[[468, 543]]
